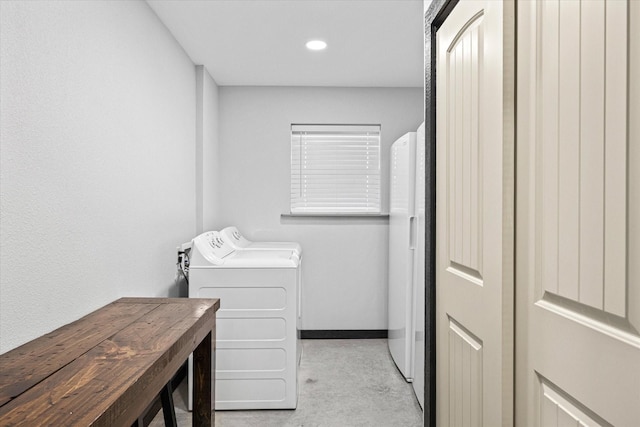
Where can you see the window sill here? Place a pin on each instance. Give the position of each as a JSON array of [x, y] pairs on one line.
[[335, 215]]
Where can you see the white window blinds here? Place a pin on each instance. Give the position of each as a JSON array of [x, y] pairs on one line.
[[335, 169]]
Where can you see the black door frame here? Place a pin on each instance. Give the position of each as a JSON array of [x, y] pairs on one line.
[[434, 17]]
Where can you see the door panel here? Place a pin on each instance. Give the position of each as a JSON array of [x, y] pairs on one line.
[[558, 409], [578, 345], [465, 377], [474, 215], [578, 192], [464, 192]]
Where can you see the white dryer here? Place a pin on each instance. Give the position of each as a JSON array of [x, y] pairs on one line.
[[257, 345], [233, 236]]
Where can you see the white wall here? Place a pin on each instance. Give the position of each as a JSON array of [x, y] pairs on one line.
[[345, 260], [97, 155], [210, 155]]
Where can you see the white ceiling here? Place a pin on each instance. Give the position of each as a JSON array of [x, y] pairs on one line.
[[371, 43]]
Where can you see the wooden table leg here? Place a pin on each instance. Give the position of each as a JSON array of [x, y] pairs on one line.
[[203, 385], [168, 409]]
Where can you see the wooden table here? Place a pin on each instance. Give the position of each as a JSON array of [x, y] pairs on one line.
[[106, 368]]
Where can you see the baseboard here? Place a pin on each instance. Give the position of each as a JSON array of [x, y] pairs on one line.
[[316, 334]]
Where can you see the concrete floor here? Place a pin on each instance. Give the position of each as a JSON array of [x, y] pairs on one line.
[[343, 383]]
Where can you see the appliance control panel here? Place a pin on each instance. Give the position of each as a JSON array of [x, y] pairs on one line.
[[212, 247], [233, 234]]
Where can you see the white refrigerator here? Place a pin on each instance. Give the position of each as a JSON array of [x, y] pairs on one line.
[[401, 253], [419, 282]]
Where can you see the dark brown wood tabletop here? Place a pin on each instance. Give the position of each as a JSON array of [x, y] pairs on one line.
[[107, 367]]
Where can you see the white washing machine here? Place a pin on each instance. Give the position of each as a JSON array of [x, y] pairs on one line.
[[257, 327], [233, 236]]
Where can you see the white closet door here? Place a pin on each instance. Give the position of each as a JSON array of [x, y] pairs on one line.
[[578, 283], [474, 218]]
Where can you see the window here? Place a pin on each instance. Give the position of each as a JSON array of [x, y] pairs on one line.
[[335, 169]]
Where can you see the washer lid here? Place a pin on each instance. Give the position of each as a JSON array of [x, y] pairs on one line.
[[274, 246], [235, 239], [271, 258]]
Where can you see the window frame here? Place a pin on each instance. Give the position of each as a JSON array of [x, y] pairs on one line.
[[364, 153]]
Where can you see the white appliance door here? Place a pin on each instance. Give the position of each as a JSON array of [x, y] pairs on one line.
[[419, 269], [401, 253]]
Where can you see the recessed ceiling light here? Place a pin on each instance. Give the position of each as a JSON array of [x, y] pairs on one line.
[[316, 45]]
